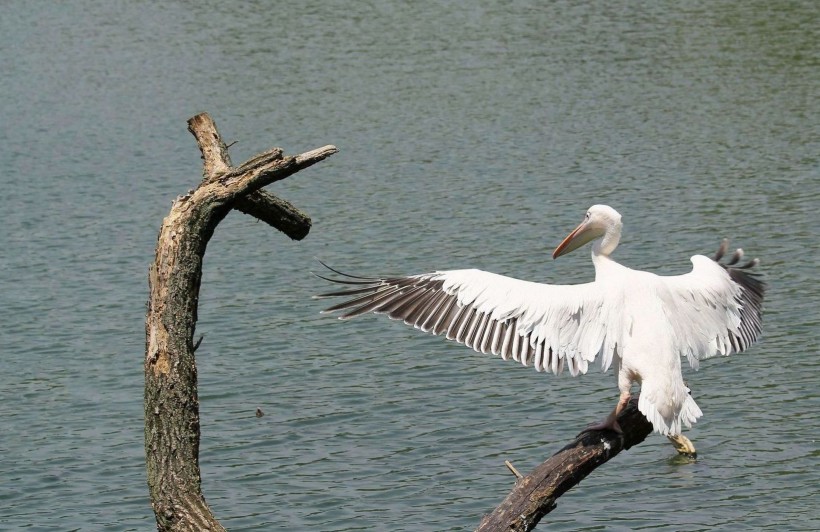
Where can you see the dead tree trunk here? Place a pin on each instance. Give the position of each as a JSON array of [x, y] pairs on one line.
[[171, 403], [534, 495]]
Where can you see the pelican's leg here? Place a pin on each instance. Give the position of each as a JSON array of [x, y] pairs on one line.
[[611, 421]]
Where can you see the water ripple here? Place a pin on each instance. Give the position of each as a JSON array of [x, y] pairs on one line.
[[469, 138]]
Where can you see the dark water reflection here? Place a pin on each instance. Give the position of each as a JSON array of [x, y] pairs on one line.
[[470, 136]]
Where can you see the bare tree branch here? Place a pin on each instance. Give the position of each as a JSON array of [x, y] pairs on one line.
[[275, 212], [214, 152], [266, 168], [534, 495], [171, 401]]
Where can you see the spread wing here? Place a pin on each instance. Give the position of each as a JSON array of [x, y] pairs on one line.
[[716, 308], [548, 326]]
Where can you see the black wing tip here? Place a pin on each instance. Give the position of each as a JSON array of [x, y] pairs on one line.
[[399, 297], [743, 274], [752, 291], [721, 251], [361, 289], [360, 285], [343, 274], [732, 263], [749, 281]]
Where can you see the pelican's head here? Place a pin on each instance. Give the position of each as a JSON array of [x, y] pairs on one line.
[[601, 221]]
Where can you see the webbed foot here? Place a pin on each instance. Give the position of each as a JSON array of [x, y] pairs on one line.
[[610, 423]]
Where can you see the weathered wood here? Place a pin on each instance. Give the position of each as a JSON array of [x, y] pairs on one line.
[[275, 212], [534, 495], [171, 401]]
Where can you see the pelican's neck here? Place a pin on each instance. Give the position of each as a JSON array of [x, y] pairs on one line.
[[602, 248], [607, 244]]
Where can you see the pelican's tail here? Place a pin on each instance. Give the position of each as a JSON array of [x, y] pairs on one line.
[[689, 413], [669, 418]]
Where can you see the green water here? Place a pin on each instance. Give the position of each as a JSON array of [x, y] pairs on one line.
[[470, 135]]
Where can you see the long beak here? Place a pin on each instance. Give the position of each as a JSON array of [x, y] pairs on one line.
[[577, 238]]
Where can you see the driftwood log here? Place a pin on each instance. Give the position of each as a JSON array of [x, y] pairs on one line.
[[171, 402]]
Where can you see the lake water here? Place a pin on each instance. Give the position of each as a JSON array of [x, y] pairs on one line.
[[470, 135]]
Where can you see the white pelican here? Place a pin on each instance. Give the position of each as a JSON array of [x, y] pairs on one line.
[[641, 321]]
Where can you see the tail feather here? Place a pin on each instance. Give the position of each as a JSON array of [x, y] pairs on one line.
[[669, 422]]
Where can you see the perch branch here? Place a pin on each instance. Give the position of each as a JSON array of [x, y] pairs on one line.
[[534, 495]]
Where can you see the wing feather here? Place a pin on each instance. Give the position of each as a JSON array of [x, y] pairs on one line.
[[548, 326], [508, 335], [426, 312], [457, 327], [444, 315], [716, 308]]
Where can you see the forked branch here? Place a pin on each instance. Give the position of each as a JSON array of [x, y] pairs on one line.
[[171, 402]]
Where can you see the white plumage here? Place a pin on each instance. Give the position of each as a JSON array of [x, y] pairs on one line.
[[642, 322]]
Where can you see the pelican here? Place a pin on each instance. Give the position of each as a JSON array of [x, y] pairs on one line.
[[641, 321]]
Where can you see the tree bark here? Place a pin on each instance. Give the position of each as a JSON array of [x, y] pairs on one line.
[[534, 495], [171, 402]]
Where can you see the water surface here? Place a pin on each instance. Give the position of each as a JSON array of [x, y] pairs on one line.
[[470, 136]]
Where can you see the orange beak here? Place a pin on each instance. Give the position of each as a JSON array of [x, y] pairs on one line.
[[581, 235]]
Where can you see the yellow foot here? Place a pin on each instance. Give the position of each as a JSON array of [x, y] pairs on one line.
[[683, 445]]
